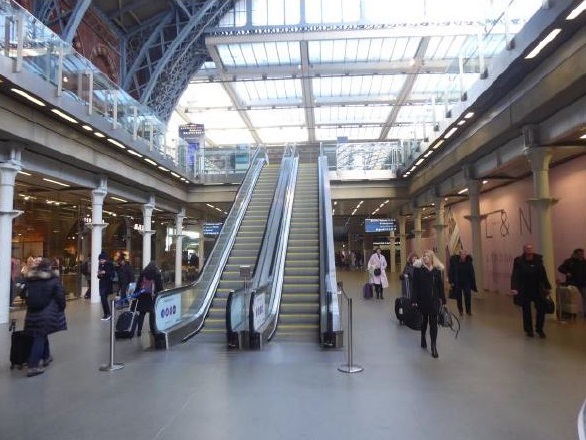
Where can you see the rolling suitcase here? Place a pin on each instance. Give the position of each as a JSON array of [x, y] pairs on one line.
[[20, 349], [407, 314], [367, 291], [569, 299], [125, 323]]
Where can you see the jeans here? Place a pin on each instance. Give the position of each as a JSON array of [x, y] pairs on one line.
[[539, 315], [105, 304], [39, 350], [466, 291], [140, 320]]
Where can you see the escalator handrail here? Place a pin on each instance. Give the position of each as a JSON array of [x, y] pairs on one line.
[[274, 286], [330, 320], [265, 256], [220, 252]]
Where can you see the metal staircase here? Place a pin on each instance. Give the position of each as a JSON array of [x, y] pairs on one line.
[[299, 310], [245, 249]]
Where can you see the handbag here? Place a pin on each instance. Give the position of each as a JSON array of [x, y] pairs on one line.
[[549, 305], [445, 318], [377, 272]]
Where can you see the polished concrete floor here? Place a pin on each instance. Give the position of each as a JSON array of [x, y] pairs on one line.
[[491, 382]]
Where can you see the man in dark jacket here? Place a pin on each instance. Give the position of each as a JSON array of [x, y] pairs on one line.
[[125, 276], [530, 283], [574, 268], [105, 276], [44, 314], [462, 280]]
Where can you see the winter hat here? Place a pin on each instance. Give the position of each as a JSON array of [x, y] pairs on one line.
[[102, 256]]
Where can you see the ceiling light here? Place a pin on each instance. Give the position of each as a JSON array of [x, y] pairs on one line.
[[29, 97], [152, 162], [429, 153], [468, 115], [439, 143], [461, 122], [55, 182], [163, 168], [64, 116], [419, 162], [548, 39], [87, 127], [25, 173], [450, 133], [134, 153], [484, 182], [119, 199], [100, 135], [584, 135], [175, 174], [115, 142], [462, 191], [577, 11]]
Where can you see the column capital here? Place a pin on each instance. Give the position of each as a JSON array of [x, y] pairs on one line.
[[539, 157]]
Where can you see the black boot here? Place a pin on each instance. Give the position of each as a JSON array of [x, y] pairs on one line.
[[423, 342], [434, 352]]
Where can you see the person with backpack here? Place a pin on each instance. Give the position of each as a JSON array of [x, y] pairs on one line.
[[149, 283]]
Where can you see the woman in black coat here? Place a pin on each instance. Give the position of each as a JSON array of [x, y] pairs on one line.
[[462, 280], [428, 295], [151, 282], [45, 313]]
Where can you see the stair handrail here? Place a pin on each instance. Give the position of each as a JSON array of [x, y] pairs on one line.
[[193, 307], [331, 333]]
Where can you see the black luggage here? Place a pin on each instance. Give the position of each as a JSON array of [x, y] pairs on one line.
[[125, 323], [20, 349], [405, 312], [367, 291]]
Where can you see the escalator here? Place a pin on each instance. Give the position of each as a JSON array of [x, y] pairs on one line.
[[299, 317], [244, 251]]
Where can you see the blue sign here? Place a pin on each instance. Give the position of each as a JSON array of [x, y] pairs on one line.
[[211, 229], [372, 225]]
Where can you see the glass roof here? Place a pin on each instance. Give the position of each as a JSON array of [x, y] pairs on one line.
[[351, 69]]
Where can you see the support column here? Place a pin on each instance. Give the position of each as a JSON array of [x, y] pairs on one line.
[[97, 225], [8, 171], [200, 249], [417, 231], [440, 228], [475, 224], [147, 232], [539, 159], [178, 245], [403, 240], [392, 262]]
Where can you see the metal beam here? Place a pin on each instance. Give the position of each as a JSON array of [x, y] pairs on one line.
[[75, 19]]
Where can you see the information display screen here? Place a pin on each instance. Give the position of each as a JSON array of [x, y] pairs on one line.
[[211, 229], [379, 225]]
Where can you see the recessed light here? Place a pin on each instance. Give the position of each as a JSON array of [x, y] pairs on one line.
[[29, 97]]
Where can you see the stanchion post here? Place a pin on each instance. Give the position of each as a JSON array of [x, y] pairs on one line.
[[350, 367], [112, 366]]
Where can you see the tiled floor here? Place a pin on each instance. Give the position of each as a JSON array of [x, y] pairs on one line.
[[490, 383]]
